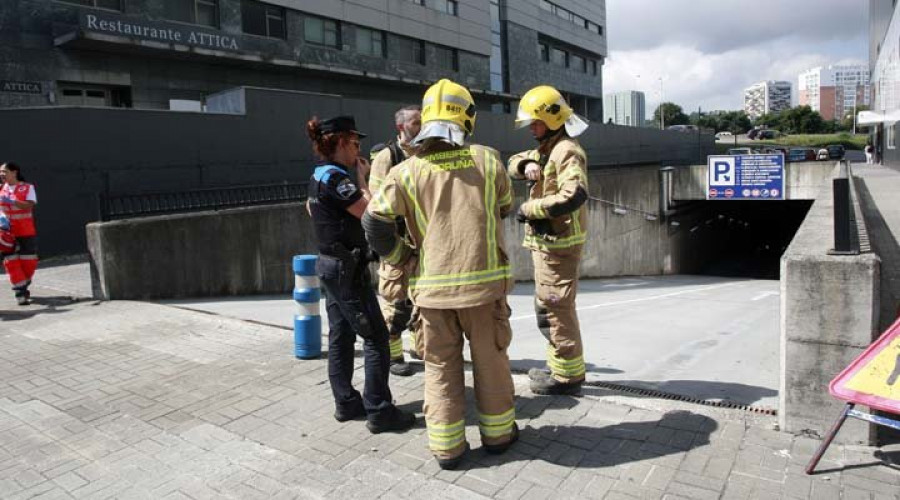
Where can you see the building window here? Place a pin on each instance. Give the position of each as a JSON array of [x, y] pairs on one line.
[[447, 59], [544, 51], [408, 50], [570, 16], [559, 57], [100, 4], [262, 19], [321, 31], [578, 63], [370, 42], [78, 94], [449, 6], [203, 12], [891, 135], [417, 2]]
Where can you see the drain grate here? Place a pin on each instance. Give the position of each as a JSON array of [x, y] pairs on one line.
[[651, 393]]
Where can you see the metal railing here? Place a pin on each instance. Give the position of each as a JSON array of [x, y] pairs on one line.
[[845, 231], [145, 204]]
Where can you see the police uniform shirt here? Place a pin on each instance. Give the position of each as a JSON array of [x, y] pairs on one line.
[[331, 192]]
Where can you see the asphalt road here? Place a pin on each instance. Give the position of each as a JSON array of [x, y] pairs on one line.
[[698, 336]]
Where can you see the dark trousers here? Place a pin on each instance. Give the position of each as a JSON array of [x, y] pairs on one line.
[[353, 310]]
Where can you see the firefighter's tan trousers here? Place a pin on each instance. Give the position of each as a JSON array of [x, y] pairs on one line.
[[556, 284], [397, 308], [488, 331]]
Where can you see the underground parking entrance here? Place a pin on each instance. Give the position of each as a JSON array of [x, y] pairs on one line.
[[743, 238]]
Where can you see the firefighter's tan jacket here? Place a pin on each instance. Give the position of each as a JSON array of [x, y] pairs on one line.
[[382, 163], [564, 167], [452, 200], [394, 280]]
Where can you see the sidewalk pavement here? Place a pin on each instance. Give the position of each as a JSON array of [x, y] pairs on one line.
[[136, 400]]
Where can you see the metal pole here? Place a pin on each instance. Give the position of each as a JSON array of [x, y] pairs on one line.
[[829, 438]]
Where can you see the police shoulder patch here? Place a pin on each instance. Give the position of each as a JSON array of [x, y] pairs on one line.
[[346, 188]]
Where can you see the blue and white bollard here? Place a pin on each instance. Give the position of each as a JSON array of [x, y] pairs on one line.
[[307, 321]]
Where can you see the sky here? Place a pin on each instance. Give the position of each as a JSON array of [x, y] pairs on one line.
[[707, 52]]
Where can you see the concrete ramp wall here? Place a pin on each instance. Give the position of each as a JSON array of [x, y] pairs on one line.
[[829, 315], [248, 251]]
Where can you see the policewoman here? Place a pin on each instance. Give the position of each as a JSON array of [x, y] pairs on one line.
[[337, 199]]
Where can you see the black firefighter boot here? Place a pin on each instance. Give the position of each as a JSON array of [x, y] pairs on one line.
[[546, 385], [400, 367]]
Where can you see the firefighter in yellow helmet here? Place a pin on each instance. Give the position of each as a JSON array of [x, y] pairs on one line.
[[555, 231], [452, 197]]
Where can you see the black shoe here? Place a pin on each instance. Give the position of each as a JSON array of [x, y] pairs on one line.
[[538, 373], [401, 368], [393, 420], [351, 412], [22, 298], [496, 449], [452, 463], [549, 386]]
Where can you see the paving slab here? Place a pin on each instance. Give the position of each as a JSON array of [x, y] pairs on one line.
[[142, 400]]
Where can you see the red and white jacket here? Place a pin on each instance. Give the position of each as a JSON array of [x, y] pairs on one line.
[[21, 220]]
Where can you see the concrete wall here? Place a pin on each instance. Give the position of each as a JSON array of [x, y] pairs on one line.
[[248, 251], [829, 315], [119, 151]]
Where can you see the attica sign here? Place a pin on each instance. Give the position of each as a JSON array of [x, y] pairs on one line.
[[157, 32], [21, 87]]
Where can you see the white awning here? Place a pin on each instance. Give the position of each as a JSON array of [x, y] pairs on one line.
[[874, 117]]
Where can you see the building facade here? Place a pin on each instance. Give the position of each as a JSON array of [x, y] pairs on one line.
[[884, 61], [626, 108], [834, 91], [767, 97], [171, 54]]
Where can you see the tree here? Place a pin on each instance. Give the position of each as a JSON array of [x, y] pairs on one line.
[[801, 120], [672, 113], [736, 122]]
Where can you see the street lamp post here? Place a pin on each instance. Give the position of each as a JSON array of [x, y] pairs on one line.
[[662, 109]]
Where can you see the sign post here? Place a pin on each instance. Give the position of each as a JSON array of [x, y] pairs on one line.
[[873, 379], [745, 177]]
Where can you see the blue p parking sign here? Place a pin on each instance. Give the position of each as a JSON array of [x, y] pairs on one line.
[[745, 177]]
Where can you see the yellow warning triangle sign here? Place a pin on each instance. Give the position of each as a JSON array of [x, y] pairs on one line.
[[873, 379]]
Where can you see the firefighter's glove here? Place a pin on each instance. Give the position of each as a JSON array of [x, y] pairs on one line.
[[532, 210]]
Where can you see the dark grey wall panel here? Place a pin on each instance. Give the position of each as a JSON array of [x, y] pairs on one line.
[[74, 154]]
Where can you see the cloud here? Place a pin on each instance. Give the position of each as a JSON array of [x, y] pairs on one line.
[[724, 25], [708, 52]]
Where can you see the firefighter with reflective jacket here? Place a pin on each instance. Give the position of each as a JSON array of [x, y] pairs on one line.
[[452, 197], [555, 231], [17, 201], [336, 203], [393, 280]]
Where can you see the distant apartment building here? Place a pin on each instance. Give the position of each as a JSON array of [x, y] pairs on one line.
[[625, 108], [834, 91], [171, 54], [767, 97]]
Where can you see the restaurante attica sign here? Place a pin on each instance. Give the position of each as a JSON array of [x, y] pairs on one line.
[[158, 32]]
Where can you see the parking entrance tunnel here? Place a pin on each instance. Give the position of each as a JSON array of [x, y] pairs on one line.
[[744, 238]]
